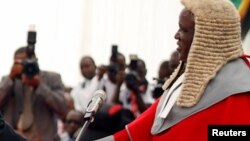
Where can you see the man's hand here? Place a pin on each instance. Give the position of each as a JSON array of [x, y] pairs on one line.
[[33, 81], [16, 70], [101, 71]]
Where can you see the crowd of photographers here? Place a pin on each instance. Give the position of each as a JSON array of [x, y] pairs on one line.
[[37, 105]]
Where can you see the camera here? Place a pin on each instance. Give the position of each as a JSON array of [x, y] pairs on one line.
[[30, 65], [112, 69], [158, 91], [114, 53], [131, 77]]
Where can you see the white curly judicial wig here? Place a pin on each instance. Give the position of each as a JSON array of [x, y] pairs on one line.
[[217, 40]]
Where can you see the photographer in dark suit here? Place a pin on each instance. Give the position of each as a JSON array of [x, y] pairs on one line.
[[29, 103]]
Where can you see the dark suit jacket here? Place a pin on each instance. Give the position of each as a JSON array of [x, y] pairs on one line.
[[47, 100], [7, 133]]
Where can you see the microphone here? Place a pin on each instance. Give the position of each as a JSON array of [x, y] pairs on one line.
[[95, 103], [93, 106]]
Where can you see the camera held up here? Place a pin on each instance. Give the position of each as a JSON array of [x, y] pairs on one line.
[[30, 65], [131, 77], [114, 53]]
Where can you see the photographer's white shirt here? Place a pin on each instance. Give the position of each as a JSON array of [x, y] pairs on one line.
[[84, 92], [108, 87]]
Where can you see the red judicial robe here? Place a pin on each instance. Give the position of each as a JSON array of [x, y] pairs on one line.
[[232, 110]]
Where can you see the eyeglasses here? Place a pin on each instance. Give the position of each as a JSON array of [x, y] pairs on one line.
[[73, 121]]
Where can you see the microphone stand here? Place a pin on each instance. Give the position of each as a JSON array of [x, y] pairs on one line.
[[88, 119], [92, 108]]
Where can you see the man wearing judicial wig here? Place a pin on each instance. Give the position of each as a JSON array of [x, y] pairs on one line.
[[211, 85]]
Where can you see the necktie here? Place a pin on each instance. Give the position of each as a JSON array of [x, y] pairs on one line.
[[26, 118]]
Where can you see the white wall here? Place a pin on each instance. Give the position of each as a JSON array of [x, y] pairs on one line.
[[143, 27], [59, 34], [68, 29]]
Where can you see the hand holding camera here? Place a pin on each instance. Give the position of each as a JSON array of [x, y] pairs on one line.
[[132, 79], [101, 71], [16, 70], [132, 82], [17, 73], [25, 65], [34, 81]]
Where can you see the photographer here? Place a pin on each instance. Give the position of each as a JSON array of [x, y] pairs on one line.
[[136, 93], [111, 117], [117, 58], [115, 69], [108, 82], [29, 102]]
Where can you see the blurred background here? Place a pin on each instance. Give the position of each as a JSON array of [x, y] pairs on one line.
[[69, 29]]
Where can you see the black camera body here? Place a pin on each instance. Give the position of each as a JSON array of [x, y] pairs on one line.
[[114, 53], [30, 65], [131, 77], [112, 69], [158, 91]]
